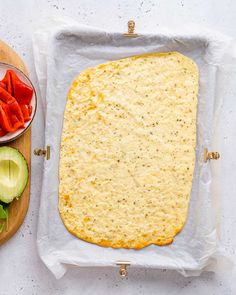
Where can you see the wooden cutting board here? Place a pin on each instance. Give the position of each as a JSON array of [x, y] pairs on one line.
[[18, 208]]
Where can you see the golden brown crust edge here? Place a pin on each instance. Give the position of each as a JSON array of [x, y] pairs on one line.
[[105, 243]]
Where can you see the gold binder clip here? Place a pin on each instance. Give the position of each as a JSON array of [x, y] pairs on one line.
[[123, 268], [43, 152], [131, 26], [210, 155]]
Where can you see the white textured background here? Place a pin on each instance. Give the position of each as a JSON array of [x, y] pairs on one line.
[[21, 271]]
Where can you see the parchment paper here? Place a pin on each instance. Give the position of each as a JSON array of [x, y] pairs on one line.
[[62, 49]]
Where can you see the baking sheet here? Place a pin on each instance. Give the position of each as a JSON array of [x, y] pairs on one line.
[[62, 50]]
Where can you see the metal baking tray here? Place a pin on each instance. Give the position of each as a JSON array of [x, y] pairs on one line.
[[71, 48]]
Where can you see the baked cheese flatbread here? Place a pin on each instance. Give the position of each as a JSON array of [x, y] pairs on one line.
[[128, 150]]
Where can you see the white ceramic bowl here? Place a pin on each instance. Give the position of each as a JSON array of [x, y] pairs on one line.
[[14, 135]]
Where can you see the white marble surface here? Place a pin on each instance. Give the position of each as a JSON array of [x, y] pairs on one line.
[[22, 272]]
